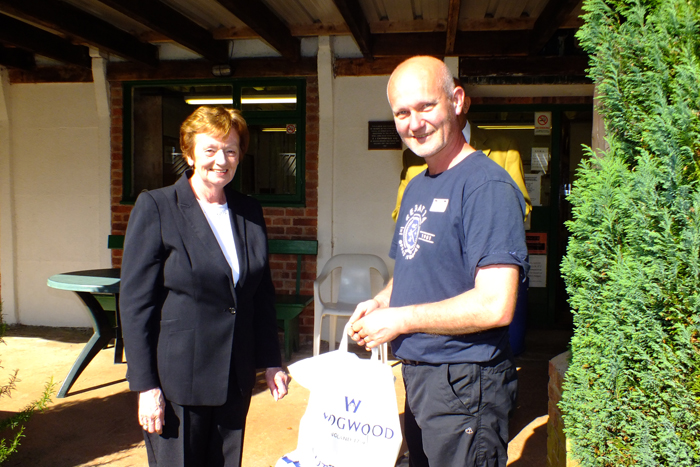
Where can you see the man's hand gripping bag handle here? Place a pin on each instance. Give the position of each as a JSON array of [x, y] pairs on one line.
[[376, 355]]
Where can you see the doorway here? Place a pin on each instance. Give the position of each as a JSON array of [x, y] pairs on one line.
[[549, 139]]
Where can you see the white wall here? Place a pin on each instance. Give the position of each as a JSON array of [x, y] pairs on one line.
[[357, 192], [365, 182], [7, 230], [57, 194]]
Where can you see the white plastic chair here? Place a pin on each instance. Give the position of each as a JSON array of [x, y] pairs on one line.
[[354, 286]]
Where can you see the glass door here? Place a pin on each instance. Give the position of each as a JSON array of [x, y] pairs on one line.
[[548, 140]]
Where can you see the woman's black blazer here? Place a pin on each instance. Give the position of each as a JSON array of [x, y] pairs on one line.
[[183, 321]]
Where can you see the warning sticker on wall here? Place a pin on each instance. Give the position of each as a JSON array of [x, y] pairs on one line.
[[538, 271], [536, 243], [533, 183], [543, 123]]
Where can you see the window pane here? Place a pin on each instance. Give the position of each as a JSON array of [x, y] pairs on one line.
[[157, 114], [267, 98], [270, 164], [274, 169], [517, 129]]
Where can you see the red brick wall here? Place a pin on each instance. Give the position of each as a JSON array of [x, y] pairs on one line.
[[299, 223], [120, 213], [282, 223], [532, 100]]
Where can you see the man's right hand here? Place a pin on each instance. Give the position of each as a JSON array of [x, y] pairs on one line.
[[362, 310], [381, 300], [152, 410]]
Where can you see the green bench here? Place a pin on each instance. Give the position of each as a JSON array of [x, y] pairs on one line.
[[115, 242], [287, 306], [290, 306], [110, 305]]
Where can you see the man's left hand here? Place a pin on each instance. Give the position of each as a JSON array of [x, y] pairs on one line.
[[277, 380], [376, 328]]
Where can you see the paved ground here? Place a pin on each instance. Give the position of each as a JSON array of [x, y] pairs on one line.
[[95, 425]]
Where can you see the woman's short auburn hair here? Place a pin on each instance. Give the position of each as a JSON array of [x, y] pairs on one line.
[[215, 121]]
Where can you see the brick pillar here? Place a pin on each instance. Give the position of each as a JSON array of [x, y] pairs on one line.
[[120, 212]]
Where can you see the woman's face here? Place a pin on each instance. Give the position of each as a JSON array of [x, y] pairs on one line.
[[215, 160]]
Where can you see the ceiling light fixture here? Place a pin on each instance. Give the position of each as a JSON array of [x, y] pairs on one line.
[[208, 100], [506, 127], [269, 100], [219, 100], [221, 70]]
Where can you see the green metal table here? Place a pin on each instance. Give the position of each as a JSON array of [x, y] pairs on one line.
[[97, 288]]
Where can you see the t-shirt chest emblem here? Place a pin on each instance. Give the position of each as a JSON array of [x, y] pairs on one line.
[[411, 233]]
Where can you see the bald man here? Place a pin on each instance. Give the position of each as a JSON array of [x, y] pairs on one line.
[[502, 150], [460, 252]]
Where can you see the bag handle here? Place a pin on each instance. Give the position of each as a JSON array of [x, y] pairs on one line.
[[343, 346]]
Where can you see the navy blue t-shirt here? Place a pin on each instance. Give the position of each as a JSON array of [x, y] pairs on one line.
[[449, 224]]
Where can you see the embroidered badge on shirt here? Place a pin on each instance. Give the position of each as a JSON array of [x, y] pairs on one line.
[[411, 233], [439, 205]]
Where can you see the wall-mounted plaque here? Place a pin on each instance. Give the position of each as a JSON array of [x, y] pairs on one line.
[[383, 135]]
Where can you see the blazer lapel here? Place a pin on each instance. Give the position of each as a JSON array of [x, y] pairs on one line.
[[197, 223], [239, 237]]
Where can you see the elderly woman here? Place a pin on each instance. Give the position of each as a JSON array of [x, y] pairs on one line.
[[197, 302]]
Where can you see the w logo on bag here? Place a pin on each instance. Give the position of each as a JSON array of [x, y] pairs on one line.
[[352, 402]]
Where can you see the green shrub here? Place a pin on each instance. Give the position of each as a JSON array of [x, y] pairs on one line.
[[14, 425], [632, 269]]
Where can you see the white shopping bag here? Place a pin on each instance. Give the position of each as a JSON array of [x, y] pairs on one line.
[[352, 417]]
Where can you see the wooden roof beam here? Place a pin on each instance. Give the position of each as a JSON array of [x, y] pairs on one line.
[[452, 23], [553, 16], [16, 58], [19, 34], [51, 74], [474, 66], [574, 65], [467, 43], [271, 29], [83, 27], [357, 23], [170, 23], [491, 43], [409, 44], [364, 67], [201, 69]]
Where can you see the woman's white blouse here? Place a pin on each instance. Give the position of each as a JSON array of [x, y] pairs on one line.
[[218, 217]]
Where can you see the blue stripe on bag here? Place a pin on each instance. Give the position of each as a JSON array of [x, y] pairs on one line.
[[288, 461]]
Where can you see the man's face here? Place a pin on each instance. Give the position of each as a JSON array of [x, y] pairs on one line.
[[425, 116]]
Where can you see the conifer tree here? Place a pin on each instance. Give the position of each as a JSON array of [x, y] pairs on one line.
[[632, 270]]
